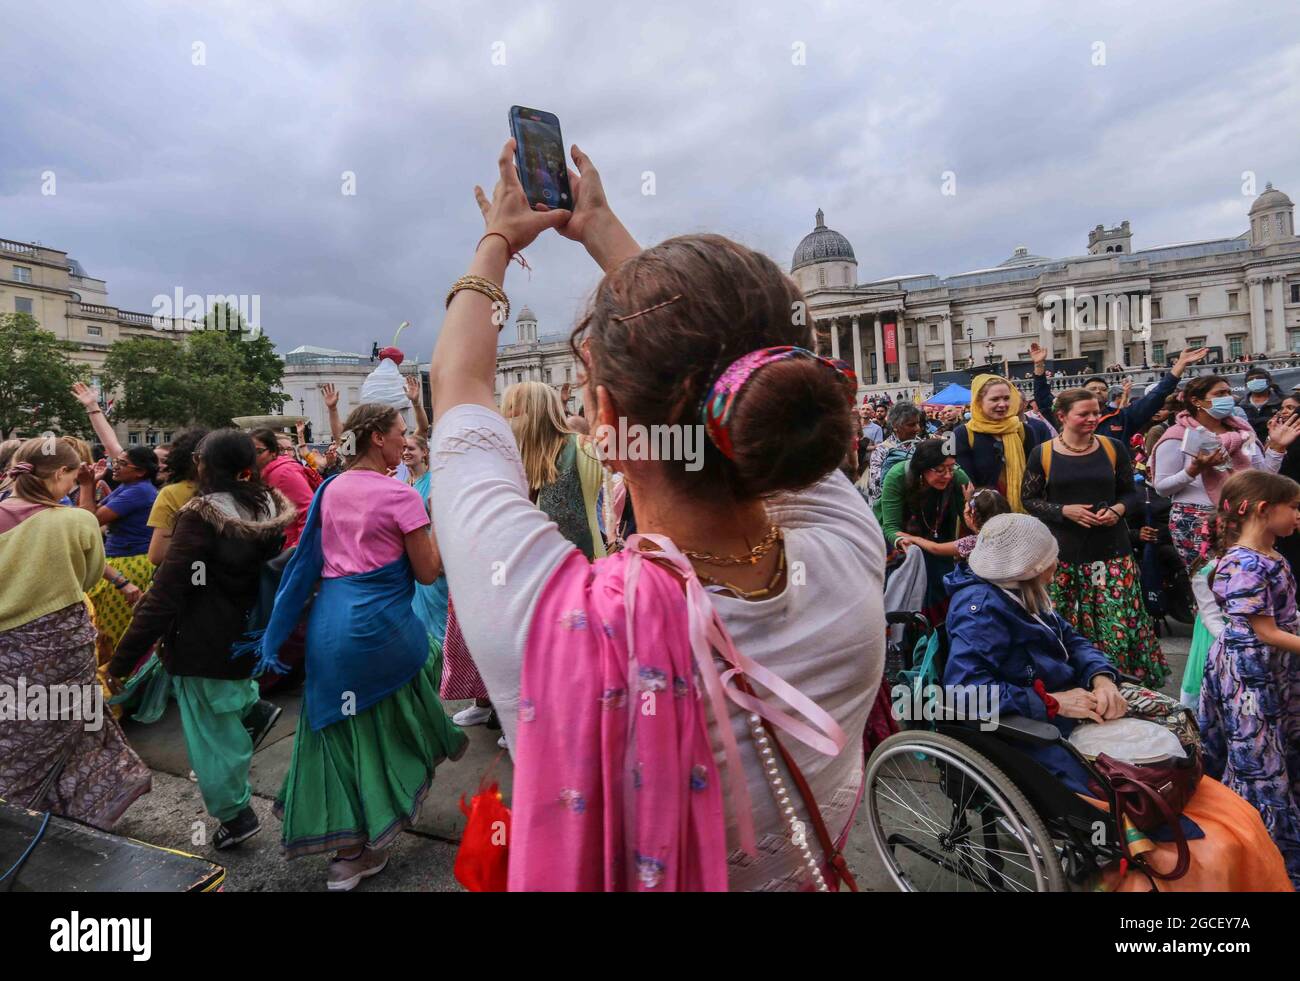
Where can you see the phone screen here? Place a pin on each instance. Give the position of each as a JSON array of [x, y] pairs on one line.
[[539, 157]]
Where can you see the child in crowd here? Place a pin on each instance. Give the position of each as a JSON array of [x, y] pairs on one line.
[[1250, 696], [981, 504], [1209, 625]]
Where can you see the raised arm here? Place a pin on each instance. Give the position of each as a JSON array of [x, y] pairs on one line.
[[465, 357], [331, 396], [89, 398], [412, 383]]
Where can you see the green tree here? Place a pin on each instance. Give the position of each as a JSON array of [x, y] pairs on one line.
[[36, 376], [216, 374]]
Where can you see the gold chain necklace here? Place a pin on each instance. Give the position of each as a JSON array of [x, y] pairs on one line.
[[750, 594], [750, 558]]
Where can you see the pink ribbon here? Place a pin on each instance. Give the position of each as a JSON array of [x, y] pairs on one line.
[[708, 634]]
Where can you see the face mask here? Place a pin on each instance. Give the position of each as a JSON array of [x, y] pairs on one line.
[[1257, 385], [1222, 407]]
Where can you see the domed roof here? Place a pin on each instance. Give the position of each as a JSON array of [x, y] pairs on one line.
[[526, 313], [1270, 199], [1020, 256], [822, 244]]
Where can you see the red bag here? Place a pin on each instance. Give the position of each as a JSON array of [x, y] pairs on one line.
[[483, 860]]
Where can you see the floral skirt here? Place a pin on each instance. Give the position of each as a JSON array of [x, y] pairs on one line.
[[1189, 526], [77, 767], [1103, 601]]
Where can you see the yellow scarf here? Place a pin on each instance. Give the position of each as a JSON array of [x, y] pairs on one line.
[[1013, 450]]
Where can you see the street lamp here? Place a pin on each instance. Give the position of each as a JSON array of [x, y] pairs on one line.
[[302, 407], [970, 343], [989, 348]]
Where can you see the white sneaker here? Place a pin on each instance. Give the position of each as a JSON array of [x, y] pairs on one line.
[[475, 715], [501, 741]]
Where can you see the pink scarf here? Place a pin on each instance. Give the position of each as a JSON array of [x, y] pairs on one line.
[[616, 788], [1237, 443]]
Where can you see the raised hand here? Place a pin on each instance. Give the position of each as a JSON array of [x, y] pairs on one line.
[[412, 386], [86, 395], [508, 212], [1187, 357], [1037, 354], [331, 395], [1282, 431]]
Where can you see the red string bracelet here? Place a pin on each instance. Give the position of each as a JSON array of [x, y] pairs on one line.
[[510, 249]]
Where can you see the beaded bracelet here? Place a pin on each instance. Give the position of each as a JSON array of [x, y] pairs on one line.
[[486, 287]]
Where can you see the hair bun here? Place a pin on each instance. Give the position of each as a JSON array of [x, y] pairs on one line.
[[791, 427]]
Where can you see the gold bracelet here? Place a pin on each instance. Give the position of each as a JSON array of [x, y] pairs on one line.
[[486, 287]]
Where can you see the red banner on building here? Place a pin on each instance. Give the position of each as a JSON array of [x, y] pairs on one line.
[[891, 343]]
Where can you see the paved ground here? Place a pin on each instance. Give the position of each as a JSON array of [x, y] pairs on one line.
[[173, 816]]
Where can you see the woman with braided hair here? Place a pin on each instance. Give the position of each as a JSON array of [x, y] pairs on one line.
[[373, 729]]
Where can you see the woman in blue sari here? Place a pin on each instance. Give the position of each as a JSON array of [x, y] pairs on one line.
[[373, 729]]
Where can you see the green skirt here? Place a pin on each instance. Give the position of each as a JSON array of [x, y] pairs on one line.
[[361, 781]]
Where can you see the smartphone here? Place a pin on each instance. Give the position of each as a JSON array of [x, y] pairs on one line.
[[539, 157]]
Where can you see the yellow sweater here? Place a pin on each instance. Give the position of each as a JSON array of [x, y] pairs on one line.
[[48, 562]]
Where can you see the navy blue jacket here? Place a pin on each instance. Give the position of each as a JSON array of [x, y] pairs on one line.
[[992, 640], [1128, 420], [983, 461]]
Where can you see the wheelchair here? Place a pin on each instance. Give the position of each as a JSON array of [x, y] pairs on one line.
[[953, 808]]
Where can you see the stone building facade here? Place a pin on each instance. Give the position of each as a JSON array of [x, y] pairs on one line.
[[1112, 305]]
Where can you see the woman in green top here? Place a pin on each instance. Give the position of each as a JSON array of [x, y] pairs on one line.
[[923, 498]]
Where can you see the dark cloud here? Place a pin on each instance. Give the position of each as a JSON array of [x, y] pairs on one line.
[[226, 177]]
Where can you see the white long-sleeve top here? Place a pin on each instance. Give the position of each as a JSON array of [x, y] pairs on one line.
[[1207, 607], [1174, 482]]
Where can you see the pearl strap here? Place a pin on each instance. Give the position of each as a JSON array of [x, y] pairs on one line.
[[798, 830]]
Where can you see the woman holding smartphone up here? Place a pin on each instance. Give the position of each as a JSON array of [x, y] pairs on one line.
[[1081, 486], [604, 675]]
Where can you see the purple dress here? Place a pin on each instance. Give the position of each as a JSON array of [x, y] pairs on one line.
[[1250, 698]]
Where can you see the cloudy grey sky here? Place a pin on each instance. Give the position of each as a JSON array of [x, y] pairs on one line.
[[225, 177]]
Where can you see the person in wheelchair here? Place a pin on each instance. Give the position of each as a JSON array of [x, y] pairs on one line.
[[1003, 632]]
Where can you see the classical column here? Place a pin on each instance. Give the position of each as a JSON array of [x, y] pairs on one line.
[[857, 353], [1117, 330], [901, 346], [946, 327], [1258, 331], [835, 337], [1279, 317], [880, 354], [1072, 328], [812, 338]]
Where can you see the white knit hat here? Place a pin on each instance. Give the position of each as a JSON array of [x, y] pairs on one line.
[[1012, 548]]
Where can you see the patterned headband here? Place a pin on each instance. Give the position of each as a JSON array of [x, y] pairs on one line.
[[720, 403]]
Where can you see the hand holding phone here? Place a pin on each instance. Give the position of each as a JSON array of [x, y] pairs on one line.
[[539, 157]]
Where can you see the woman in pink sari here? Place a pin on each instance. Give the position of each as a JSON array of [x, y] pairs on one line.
[[687, 713]]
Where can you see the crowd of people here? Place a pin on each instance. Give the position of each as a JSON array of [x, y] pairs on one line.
[[684, 662]]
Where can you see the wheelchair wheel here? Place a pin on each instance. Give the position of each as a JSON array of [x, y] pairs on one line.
[[944, 818]]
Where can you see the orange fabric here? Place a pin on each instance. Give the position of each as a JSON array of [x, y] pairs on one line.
[[1236, 854]]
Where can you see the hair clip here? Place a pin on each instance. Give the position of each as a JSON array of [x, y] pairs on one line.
[[1245, 503], [664, 303]]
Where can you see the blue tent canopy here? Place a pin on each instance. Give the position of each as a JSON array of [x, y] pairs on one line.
[[952, 395]]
